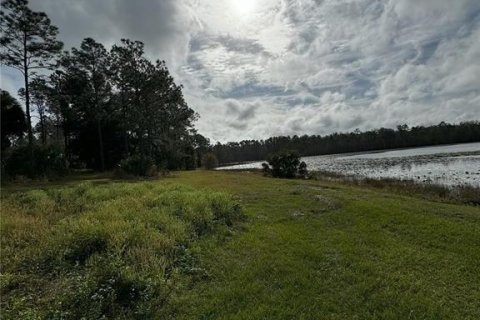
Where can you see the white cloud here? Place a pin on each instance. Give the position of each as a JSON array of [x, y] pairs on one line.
[[300, 67]]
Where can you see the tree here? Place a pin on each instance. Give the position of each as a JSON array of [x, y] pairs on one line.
[[13, 119], [28, 43], [209, 161], [39, 92], [156, 120], [91, 62], [285, 164], [201, 145], [357, 141], [167, 119], [127, 72], [67, 85]]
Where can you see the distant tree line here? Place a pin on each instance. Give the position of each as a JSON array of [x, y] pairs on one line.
[[96, 106], [402, 137]]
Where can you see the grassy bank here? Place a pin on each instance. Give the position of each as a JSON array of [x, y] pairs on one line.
[[462, 194], [307, 250]]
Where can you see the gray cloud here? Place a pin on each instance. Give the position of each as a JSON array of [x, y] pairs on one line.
[[163, 25], [239, 111], [299, 67]]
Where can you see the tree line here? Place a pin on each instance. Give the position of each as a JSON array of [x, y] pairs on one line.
[[383, 138], [97, 106]]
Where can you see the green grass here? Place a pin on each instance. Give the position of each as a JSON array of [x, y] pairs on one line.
[[118, 250], [307, 250]]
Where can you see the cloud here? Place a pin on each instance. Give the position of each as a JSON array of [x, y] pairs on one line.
[[299, 67], [239, 111], [10, 82], [163, 25]]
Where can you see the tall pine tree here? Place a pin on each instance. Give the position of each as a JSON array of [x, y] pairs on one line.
[[28, 44]]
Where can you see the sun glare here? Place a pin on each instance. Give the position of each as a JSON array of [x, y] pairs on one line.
[[243, 7]]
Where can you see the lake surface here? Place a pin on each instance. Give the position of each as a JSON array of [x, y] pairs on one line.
[[450, 165]]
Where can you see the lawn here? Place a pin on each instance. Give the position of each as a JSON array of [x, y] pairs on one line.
[[297, 249]]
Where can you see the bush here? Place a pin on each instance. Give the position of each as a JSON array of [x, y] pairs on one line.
[[137, 165], [302, 169], [266, 169], [210, 161], [285, 164], [47, 161]]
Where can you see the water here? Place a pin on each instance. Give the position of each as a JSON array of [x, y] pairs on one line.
[[453, 148], [450, 165]]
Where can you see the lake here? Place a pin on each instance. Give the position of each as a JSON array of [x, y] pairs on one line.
[[450, 165]]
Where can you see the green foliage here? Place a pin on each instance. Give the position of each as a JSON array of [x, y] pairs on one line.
[[114, 251], [138, 165], [285, 164], [13, 120], [154, 115], [302, 169], [209, 161], [47, 162], [301, 172], [119, 103]]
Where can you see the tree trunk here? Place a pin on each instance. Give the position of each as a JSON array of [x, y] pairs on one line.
[[100, 144], [42, 128], [125, 130], [27, 92], [126, 148], [27, 110], [65, 139]]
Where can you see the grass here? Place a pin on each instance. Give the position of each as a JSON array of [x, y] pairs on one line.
[[465, 194], [114, 251], [307, 250]]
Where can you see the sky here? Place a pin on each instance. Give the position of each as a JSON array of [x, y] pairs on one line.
[[253, 69]]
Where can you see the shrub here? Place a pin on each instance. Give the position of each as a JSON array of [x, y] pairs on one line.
[[137, 165], [47, 161], [209, 161], [266, 169], [285, 164], [302, 169]]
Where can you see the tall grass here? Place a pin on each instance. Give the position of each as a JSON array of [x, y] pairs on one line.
[[466, 194], [112, 251]]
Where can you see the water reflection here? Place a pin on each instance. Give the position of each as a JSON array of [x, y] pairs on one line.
[[448, 165]]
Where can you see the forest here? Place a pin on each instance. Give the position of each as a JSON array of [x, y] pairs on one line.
[[383, 138]]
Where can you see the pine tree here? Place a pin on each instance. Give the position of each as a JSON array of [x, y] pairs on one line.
[[28, 44], [92, 62]]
